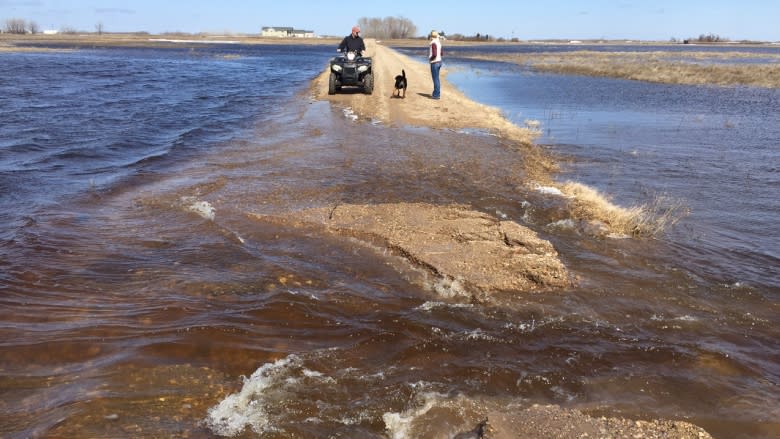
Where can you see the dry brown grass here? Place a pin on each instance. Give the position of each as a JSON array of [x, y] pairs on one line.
[[697, 68], [9, 46], [640, 221]]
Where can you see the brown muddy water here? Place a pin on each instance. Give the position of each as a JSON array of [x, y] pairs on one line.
[[154, 306]]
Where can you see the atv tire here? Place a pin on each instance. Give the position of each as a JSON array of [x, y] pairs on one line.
[[368, 84], [332, 84]]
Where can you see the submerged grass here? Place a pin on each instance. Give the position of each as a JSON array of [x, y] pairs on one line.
[[647, 220], [695, 68]]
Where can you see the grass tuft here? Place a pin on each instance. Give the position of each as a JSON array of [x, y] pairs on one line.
[[647, 220]]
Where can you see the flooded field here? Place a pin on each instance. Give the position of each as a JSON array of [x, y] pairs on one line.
[[144, 295]]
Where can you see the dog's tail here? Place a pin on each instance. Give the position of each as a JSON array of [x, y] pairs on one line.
[[403, 73]]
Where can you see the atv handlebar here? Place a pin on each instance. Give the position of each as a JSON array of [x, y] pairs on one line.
[[358, 54]]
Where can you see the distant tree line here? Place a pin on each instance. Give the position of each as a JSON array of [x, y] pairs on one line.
[[20, 26], [387, 28], [703, 38], [710, 38], [477, 37]]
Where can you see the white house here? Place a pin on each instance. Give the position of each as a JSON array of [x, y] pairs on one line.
[[297, 33], [285, 32], [279, 32]]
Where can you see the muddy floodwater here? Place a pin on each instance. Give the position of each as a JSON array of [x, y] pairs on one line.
[[145, 293]]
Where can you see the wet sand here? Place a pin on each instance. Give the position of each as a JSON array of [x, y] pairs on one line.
[[466, 251], [454, 111], [459, 246]]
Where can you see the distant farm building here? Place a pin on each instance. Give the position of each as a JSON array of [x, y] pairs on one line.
[[279, 32], [303, 33], [286, 32]]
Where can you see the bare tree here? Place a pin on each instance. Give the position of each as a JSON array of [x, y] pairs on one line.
[[405, 28], [371, 26], [388, 27], [15, 26], [33, 27], [99, 28]]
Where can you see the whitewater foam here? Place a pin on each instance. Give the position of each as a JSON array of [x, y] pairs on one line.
[[400, 425], [350, 114], [247, 407], [449, 287], [202, 208], [549, 190]]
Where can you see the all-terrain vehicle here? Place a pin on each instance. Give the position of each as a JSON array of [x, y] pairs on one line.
[[353, 70]]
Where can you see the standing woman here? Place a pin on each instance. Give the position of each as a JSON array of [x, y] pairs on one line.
[[434, 56]]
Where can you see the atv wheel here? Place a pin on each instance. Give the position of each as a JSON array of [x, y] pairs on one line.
[[332, 84], [368, 83]]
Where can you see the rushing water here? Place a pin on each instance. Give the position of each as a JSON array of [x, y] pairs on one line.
[[716, 148], [136, 292]]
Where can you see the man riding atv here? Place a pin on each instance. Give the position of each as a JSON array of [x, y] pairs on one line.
[[353, 42], [351, 68]]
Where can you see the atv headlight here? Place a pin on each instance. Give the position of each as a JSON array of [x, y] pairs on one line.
[[362, 69], [336, 68]]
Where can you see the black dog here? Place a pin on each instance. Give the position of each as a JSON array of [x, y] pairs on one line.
[[400, 84]]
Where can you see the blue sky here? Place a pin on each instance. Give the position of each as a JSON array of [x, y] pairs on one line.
[[565, 19]]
